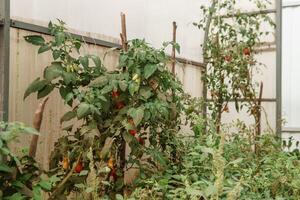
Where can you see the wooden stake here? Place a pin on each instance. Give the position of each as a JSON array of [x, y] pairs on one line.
[[257, 117], [124, 33], [123, 36], [37, 121], [174, 49], [259, 109]]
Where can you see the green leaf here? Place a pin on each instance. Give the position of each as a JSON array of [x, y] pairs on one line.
[[56, 53], [35, 39], [69, 77], [30, 130], [157, 156], [84, 61], [96, 60], [133, 88], [119, 197], [59, 38], [83, 110], [177, 47], [145, 93], [16, 196], [149, 70], [68, 116], [84, 173], [69, 97], [107, 89], [89, 189], [35, 86], [53, 71], [37, 194], [5, 168], [123, 85], [45, 91], [77, 45], [123, 60], [46, 185], [210, 190], [99, 81], [44, 48], [136, 114]]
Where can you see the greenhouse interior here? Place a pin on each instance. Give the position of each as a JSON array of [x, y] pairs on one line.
[[149, 100]]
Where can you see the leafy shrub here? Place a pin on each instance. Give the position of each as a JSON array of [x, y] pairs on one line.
[[19, 175], [138, 105], [219, 166]]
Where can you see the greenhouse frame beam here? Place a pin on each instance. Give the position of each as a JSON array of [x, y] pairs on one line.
[[44, 30], [89, 40], [4, 58], [246, 100], [252, 13], [278, 67]]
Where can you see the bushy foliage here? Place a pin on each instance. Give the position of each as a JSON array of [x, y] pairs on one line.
[[19, 174], [138, 105], [225, 166]]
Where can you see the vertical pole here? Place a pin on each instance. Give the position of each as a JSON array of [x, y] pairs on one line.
[[124, 32], [173, 48], [278, 66], [4, 58], [123, 145], [206, 34]]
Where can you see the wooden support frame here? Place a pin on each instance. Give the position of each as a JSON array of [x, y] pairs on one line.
[[4, 58]]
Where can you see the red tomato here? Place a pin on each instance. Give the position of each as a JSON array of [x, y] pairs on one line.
[[228, 58], [141, 140], [133, 132], [246, 51], [115, 94], [79, 167], [120, 105], [113, 174]]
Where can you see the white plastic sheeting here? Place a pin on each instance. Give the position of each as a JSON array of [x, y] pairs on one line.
[[149, 19], [291, 66]]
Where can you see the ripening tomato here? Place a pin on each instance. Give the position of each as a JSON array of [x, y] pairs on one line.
[[115, 94], [110, 163], [113, 174], [141, 140], [79, 167], [246, 51], [65, 163], [119, 105], [133, 132], [228, 58]]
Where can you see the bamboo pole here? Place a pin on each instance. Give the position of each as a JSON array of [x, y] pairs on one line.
[[123, 36], [37, 121]]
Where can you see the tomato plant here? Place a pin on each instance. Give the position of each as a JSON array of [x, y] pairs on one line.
[[20, 175], [138, 105], [229, 54]]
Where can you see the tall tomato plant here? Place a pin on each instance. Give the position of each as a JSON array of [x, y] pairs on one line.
[[138, 105], [230, 54]]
